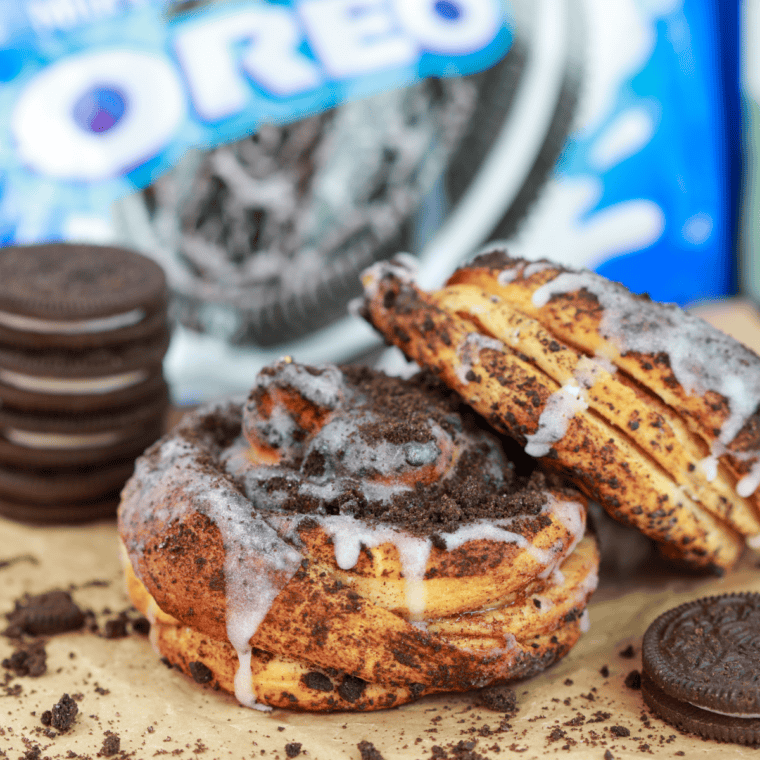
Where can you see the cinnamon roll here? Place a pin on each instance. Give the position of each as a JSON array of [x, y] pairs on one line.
[[345, 540], [648, 410]]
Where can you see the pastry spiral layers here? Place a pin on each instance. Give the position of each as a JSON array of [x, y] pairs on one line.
[[343, 540], [648, 409]]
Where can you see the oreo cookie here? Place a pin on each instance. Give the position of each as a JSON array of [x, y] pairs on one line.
[[80, 439], [701, 667], [78, 296], [59, 380], [83, 333]]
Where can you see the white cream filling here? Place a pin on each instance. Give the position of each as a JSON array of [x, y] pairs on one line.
[[71, 385], [71, 327], [747, 716], [35, 440]]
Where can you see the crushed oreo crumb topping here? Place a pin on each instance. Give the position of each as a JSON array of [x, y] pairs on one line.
[[354, 441]]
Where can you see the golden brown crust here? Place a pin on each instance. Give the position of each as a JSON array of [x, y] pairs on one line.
[[456, 581], [530, 638], [575, 316], [180, 521], [619, 441]]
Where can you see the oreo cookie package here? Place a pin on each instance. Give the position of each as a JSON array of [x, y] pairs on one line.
[[277, 166], [577, 144]]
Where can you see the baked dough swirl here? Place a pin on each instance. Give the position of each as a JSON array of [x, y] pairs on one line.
[[647, 409], [343, 540]]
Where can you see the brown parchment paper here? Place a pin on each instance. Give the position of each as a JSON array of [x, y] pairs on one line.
[[581, 708]]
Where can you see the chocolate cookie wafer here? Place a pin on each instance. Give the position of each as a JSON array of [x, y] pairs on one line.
[[80, 439], [55, 380], [701, 667], [78, 296]]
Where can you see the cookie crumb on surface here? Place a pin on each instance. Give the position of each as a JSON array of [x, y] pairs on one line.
[[111, 745], [368, 751], [498, 698], [51, 612], [63, 714]]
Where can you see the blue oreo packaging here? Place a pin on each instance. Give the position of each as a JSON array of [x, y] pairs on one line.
[[265, 151]]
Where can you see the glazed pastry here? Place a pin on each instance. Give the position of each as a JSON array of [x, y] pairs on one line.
[[347, 540], [649, 410]]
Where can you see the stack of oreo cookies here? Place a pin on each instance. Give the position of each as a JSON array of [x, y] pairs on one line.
[[83, 333]]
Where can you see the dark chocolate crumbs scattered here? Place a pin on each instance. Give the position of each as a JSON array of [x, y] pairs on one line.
[[64, 713], [620, 731], [293, 749], [605, 671], [141, 625], [497, 698], [28, 659], [629, 652], [111, 746], [52, 612], [116, 628], [633, 680], [368, 751], [403, 413]]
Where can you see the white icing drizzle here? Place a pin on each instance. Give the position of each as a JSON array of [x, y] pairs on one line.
[[258, 564], [508, 275], [701, 357], [71, 327], [468, 352], [585, 622], [564, 404], [34, 440], [349, 535], [709, 466], [403, 266], [557, 576], [749, 483], [560, 408], [535, 267], [70, 385], [571, 514]]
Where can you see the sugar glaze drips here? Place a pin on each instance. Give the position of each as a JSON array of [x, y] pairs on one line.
[[724, 365]]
